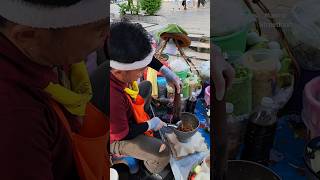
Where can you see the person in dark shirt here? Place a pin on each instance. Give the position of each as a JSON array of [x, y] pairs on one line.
[[38, 39], [100, 79], [130, 52]]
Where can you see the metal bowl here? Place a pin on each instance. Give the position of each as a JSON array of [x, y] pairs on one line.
[[187, 119], [248, 170]]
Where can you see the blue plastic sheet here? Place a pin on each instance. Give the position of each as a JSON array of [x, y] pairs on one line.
[[291, 146]]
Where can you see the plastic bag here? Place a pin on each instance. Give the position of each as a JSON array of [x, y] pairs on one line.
[[179, 65], [303, 33], [204, 70], [264, 64], [305, 17]]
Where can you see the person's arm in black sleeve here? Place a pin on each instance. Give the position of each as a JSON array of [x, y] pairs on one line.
[[155, 64], [136, 130]]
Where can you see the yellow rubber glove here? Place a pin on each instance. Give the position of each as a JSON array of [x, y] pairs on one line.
[[133, 93]]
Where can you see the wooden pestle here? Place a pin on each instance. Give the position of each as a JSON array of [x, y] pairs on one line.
[[176, 107]]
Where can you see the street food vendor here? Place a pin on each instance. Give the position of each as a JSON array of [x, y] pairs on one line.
[[45, 90], [99, 78], [130, 52]]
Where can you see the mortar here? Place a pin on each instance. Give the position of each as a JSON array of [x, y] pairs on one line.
[[186, 119]]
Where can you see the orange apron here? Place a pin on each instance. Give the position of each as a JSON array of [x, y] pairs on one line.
[[90, 145], [139, 114]]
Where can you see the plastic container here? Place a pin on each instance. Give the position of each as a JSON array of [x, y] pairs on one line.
[[241, 94], [186, 90], [194, 84], [260, 133], [233, 42], [232, 28], [182, 74], [311, 107], [179, 66], [162, 87], [264, 64]]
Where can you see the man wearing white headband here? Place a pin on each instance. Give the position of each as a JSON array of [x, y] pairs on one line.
[[45, 90], [131, 128]]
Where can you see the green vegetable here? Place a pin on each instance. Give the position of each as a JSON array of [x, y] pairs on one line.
[[241, 71], [285, 53], [197, 169], [284, 80], [261, 45], [285, 65]]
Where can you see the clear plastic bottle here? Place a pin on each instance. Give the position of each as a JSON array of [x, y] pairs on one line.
[[265, 115], [260, 132], [208, 118], [191, 103]]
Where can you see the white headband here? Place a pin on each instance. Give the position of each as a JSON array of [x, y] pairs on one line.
[[39, 16], [132, 66]]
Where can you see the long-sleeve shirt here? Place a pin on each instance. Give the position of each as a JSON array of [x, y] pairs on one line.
[[34, 143], [100, 82], [122, 122]]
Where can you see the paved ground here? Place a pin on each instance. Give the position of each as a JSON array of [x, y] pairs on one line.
[[194, 20], [197, 20]]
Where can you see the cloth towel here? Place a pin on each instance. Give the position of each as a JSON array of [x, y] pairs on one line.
[[196, 144]]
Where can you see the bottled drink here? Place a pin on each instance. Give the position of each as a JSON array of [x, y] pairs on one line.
[[191, 103], [260, 132]]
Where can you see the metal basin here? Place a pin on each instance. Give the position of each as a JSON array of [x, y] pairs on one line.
[[187, 119], [247, 170]]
